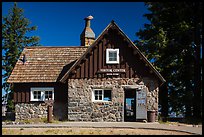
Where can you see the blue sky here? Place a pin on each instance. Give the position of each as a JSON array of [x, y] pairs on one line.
[[61, 23]]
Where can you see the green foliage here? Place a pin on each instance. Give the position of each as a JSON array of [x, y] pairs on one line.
[[168, 41], [10, 106], [14, 38]]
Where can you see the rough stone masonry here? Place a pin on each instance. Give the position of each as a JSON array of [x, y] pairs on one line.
[[81, 107]]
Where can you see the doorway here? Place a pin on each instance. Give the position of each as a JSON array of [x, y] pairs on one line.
[[130, 105]]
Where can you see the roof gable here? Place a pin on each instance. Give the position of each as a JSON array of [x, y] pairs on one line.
[[112, 26]]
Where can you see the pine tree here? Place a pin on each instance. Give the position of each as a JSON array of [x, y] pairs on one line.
[[14, 38], [167, 41]]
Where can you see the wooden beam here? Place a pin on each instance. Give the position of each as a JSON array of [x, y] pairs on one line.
[[83, 60], [95, 47], [87, 55], [74, 71], [135, 52]]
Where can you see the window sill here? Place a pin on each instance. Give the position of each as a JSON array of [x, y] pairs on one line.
[[109, 63], [41, 101], [37, 100], [102, 101]]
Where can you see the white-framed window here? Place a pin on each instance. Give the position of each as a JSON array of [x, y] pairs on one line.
[[36, 95], [112, 56], [49, 95], [41, 94], [101, 95]]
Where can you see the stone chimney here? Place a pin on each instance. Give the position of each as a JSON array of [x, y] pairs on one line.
[[87, 37]]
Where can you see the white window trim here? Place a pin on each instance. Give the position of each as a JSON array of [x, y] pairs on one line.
[[32, 94], [107, 56], [93, 95], [42, 93]]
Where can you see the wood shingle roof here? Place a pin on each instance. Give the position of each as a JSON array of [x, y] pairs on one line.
[[44, 64]]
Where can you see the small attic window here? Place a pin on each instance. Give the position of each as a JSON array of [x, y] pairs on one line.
[[112, 56]]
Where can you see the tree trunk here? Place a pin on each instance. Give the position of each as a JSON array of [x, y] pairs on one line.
[[188, 101], [163, 97], [197, 103]]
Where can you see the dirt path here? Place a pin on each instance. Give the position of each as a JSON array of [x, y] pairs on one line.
[[87, 131]]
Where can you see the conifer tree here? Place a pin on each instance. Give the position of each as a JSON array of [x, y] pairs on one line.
[[14, 38], [168, 42]]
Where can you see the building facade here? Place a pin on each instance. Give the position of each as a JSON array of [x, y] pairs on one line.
[[104, 79]]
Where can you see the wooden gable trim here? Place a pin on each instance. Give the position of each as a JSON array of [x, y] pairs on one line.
[[130, 45], [142, 56]]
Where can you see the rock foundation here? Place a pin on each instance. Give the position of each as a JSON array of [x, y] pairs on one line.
[[82, 108], [30, 110]]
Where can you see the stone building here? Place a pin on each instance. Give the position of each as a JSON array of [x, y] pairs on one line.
[[104, 79]]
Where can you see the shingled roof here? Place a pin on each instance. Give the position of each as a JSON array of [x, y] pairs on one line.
[[44, 64]]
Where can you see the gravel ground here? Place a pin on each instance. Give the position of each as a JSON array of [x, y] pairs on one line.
[[87, 131]]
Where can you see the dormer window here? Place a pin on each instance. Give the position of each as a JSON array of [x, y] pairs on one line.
[[112, 56]]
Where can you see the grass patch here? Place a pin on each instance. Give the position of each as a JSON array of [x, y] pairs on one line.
[[52, 132], [192, 121], [37, 120], [7, 120], [86, 131], [32, 120], [163, 122], [183, 121]]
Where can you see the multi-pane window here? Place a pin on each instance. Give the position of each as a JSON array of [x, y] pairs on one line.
[[98, 94], [37, 95], [41, 94], [48, 95], [112, 56], [101, 95], [107, 95]]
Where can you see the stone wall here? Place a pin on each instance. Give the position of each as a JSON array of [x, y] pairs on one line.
[[30, 110], [81, 107]]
